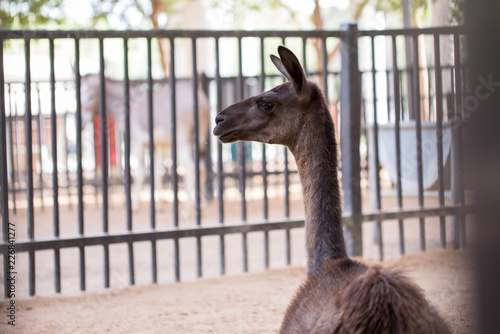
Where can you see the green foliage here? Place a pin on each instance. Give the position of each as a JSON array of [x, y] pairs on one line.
[[101, 9], [390, 6], [30, 13], [252, 5], [240, 8], [457, 11], [171, 6]]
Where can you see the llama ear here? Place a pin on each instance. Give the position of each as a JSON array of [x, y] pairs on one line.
[[279, 65], [295, 72]]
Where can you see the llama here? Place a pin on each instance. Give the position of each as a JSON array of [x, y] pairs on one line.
[[139, 135], [340, 295]]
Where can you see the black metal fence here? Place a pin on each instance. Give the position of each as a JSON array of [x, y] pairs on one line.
[[370, 99]]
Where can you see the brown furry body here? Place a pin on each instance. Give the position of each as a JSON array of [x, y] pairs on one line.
[[345, 296]]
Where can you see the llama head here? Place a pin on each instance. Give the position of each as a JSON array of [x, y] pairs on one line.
[[276, 116]]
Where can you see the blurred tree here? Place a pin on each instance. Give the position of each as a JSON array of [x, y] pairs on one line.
[[30, 13], [357, 10], [239, 7], [418, 8], [317, 18], [159, 12], [40, 13], [457, 10]]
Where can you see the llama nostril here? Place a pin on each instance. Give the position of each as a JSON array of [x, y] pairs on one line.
[[219, 119]]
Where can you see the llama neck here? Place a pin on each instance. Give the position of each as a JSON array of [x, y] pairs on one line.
[[316, 154]]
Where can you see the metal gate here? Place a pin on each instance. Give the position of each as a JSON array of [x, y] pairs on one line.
[[361, 102]]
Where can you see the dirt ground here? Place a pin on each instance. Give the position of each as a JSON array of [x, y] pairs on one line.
[[237, 302], [251, 303]]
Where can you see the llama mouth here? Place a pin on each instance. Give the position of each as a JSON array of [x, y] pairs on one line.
[[226, 137], [223, 134]]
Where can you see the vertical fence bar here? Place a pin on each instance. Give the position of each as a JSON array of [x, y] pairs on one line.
[[287, 183], [177, 269], [39, 146], [429, 95], [265, 200], [196, 156], [242, 159], [241, 145], [55, 184], [220, 171], [324, 68], [409, 75], [266, 249], [95, 172], [351, 132], [17, 135], [288, 247], [375, 198], [460, 115], [206, 152], [397, 119], [199, 257], [452, 84], [4, 197], [418, 130], [128, 199], [404, 75], [173, 128], [11, 151], [17, 121], [152, 210], [68, 181], [222, 254], [457, 221], [29, 164], [287, 177], [304, 54], [439, 134], [103, 126], [79, 167], [196, 132], [388, 88]]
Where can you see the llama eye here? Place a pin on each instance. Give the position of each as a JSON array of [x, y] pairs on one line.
[[265, 105]]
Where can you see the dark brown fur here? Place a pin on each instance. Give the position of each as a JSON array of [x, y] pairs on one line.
[[339, 295]]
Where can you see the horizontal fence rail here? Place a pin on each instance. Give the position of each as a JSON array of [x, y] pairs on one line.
[[25, 246], [55, 154]]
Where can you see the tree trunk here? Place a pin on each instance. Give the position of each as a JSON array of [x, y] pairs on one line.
[[441, 17], [157, 9], [318, 24]]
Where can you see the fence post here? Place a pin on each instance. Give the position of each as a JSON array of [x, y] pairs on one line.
[[209, 170], [4, 197], [457, 221], [4, 194], [350, 131]]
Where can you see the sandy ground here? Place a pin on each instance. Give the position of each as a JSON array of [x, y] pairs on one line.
[[237, 302], [251, 303]]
